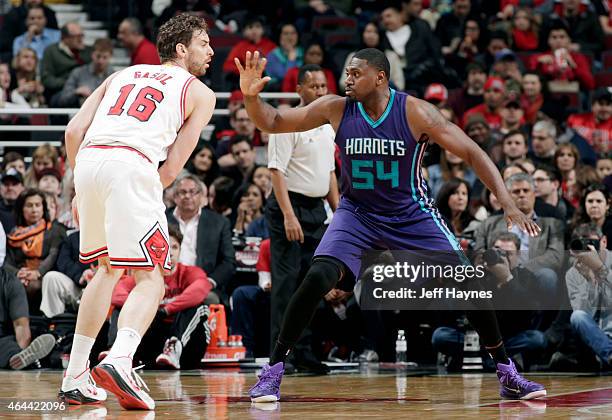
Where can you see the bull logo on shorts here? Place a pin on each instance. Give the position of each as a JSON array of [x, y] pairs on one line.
[[157, 247]]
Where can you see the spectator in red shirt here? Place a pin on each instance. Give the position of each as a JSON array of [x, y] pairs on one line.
[[596, 126], [494, 93], [254, 40], [314, 54], [524, 30], [560, 63], [131, 35], [179, 333]]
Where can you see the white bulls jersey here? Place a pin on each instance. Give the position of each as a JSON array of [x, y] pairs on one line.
[[143, 108]]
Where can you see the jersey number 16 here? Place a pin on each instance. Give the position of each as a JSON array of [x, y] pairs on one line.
[[143, 105]]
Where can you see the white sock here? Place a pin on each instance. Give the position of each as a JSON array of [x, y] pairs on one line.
[[125, 345], [79, 355]]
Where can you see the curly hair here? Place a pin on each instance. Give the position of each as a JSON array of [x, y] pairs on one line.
[[178, 30]]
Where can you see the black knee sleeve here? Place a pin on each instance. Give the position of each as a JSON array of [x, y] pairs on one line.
[[323, 275]]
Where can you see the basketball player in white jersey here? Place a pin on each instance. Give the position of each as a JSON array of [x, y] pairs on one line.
[[137, 118]]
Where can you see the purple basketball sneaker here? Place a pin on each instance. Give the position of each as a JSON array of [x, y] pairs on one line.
[[514, 386], [267, 388]]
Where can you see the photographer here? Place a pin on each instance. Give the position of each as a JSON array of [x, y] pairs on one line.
[[589, 285], [513, 283]]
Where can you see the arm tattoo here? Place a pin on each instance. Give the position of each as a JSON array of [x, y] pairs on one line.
[[433, 117]]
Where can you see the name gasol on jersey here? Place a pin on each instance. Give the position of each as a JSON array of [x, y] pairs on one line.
[[162, 77], [374, 146]]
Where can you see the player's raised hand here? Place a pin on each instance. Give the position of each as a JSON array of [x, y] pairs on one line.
[[251, 82], [516, 217]]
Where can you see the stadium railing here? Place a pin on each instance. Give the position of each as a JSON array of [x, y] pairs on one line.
[[52, 128]]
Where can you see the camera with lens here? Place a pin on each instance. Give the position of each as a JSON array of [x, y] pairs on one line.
[[494, 256], [582, 244]]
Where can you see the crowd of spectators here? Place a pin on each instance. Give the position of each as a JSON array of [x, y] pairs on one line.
[[525, 80]]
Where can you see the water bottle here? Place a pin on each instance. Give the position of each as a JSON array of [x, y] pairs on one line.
[[400, 347]]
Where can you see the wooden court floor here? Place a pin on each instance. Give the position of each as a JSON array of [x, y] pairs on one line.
[[219, 394]]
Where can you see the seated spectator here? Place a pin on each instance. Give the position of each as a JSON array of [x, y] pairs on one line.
[[249, 212], [62, 289], [472, 94], [51, 183], [220, 196], [596, 126], [396, 33], [243, 154], [284, 57], [242, 126], [38, 36], [14, 160], [450, 166], [498, 41], [560, 62], [370, 38], [27, 80], [603, 168], [536, 101], [547, 182], [33, 245], [44, 157], [17, 349], [83, 80], [203, 163], [515, 284], [494, 95], [566, 159], [511, 117], [11, 186], [207, 235], [314, 54], [524, 30], [449, 26], [595, 208], [61, 58], [251, 307], [179, 334], [583, 26], [131, 35], [589, 285], [254, 40], [478, 129], [542, 255], [452, 202], [464, 50], [543, 143], [262, 177], [514, 147], [437, 94], [8, 98], [14, 24]]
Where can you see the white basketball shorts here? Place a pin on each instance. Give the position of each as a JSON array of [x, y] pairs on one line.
[[121, 212]]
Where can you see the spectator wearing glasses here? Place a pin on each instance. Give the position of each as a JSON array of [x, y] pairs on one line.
[[207, 237], [61, 58], [547, 183]]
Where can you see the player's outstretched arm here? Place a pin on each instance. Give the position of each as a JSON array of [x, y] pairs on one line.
[[200, 106], [425, 119], [271, 120], [79, 124]]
